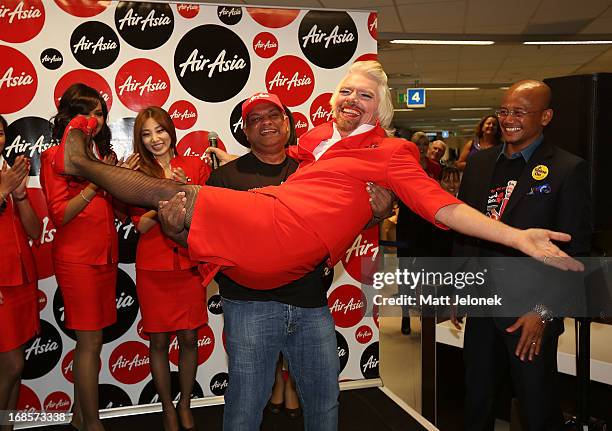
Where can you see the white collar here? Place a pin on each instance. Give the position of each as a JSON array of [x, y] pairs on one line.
[[359, 130]]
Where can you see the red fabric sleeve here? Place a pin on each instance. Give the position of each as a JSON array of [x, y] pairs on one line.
[[54, 186]]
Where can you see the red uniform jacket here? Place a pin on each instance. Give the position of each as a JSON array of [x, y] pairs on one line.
[[16, 261], [155, 251], [90, 237]]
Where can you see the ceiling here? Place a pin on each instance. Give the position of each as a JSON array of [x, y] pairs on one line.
[[486, 67]]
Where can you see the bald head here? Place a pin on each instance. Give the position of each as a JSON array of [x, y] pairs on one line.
[[536, 91]]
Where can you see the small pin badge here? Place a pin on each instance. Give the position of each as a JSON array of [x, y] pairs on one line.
[[539, 172]]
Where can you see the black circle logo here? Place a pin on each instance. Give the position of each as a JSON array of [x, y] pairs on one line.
[[94, 44], [51, 58], [149, 393], [215, 305], [229, 15], [236, 125], [212, 72], [127, 309], [144, 25], [369, 361], [42, 353], [28, 136], [328, 39], [219, 383], [343, 350], [112, 396]]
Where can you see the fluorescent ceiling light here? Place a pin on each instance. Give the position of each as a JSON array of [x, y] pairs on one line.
[[465, 119], [569, 42], [403, 110], [451, 88], [442, 42], [504, 88], [484, 108]]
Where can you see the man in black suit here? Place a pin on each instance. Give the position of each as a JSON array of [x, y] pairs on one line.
[[528, 183]]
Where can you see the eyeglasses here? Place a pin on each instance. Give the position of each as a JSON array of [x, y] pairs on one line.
[[518, 114], [275, 117]]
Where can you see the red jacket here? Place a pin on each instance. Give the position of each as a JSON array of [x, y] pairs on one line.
[[16, 260], [330, 196], [155, 251], [91, 236]]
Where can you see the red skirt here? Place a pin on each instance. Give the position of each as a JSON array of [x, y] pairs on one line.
[[19, 320], [171, 300], [89, 294]]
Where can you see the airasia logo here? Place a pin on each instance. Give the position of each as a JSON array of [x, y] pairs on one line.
[[21, 20], [187, 10], [347, 305], [18, 80], [291, 79], [87, 77], [363, 334], [361, 258], [28, 401], [273, 18], [373, 25], [317, 36], [83, 8], [320, 109], [57, 402], [206, 345], [184, 114], [144, 25], [301, 123], [41, 347], [141, 83], [129, 362], [265, 45], [221, 63], [195, 144], [42, 299], [369, 361], [132, 19]]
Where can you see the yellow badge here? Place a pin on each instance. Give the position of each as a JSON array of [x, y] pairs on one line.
[[539, 172]]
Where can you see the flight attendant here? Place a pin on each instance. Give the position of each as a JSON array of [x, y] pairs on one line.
[[170, 291], [18, 279], [85, 252]]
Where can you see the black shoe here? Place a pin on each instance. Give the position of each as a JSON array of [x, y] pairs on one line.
[[274, 408], [406, 325], [294, 413]]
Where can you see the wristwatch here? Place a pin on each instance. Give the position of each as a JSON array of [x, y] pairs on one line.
[[545, 314]]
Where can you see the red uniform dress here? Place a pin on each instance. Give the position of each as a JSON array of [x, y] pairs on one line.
[[276, 234], [85, 251], [18, 283], [169, 285]]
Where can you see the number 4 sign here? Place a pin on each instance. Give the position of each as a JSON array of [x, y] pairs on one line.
[[415, 98]]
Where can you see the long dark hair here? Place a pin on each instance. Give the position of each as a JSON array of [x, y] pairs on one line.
[[148, 163], [80, 99]]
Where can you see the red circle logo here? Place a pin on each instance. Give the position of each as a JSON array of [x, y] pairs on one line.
[[206, 345], [291, 79], [301, 123], [18, 80], [141, 83], [67, 364], [265, 45], [362, 257], [42, 300], [43, 253], [373, 25], [195, 144], [375, 313], [347, 304], [21, 20], [141, 332], [320, 109], [83, 8], [87, 77], [367, 57], [187, 10], [129, 362], [28, 400], [273, 18], [184, 115], [57, 402], [363, 334]]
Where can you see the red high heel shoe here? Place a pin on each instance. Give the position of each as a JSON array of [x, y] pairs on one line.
[[85, 124]]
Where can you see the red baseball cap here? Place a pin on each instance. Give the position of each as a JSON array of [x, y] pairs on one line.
[[258, 98]]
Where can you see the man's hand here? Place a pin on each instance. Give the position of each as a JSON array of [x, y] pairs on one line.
[[171, 215], [179, 175], [381, 200], [532, 329], [538, 244], [222, 156]]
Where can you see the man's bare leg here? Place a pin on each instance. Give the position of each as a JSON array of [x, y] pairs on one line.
[[131, 187]]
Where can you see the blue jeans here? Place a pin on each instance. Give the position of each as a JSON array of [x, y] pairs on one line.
[[256, 332]]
